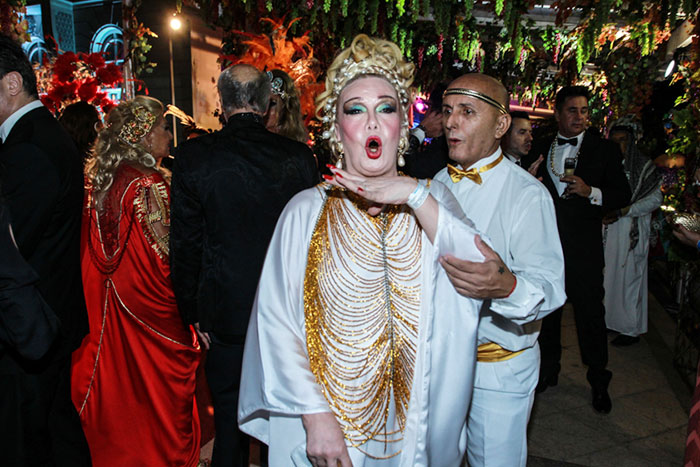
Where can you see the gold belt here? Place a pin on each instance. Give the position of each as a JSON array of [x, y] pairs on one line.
[[492, 352]]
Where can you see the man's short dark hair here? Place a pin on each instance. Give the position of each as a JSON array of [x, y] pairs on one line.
[[519, 114], [237, 93], [12, 58], [570, 91]]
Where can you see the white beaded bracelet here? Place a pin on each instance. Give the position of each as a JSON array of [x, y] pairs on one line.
[[417, 196]]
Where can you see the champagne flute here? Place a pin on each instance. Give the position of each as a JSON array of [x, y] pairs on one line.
[[569, 168]]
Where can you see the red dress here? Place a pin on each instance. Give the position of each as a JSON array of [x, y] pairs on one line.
[[133, 378]]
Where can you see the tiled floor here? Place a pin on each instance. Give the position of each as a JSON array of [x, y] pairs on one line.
[[647, 424]]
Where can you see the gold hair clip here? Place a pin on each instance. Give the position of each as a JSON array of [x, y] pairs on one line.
[[137, 127], [477, 95]]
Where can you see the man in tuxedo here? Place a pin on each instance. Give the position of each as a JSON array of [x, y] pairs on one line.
[[42, 185], [517, 142], [597, 185], [228, 189], [522, 278]]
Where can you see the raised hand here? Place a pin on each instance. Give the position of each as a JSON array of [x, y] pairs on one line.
[[383, 190], [490, 279], [576, 186], [535, 166]]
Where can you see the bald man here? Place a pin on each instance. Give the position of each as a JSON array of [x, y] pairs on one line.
[[522, 280]]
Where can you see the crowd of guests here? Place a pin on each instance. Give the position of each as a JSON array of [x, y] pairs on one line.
[[365, 318]]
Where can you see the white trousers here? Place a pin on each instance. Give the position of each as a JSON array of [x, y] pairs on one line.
[[501, 404]]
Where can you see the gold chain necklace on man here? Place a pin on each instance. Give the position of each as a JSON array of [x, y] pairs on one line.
[[362, 303], [551, 159]]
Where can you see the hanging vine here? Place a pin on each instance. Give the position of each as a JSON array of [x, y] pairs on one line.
[[137, 35]]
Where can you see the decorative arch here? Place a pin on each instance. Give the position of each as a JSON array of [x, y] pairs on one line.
[[35, 50], [109, 40]]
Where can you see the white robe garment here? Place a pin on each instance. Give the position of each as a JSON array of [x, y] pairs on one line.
[[278, 386], [626, 270]]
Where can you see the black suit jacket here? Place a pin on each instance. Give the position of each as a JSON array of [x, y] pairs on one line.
[[580, 221], [27, 324], [425, 161], [228, 190], [41, 177]]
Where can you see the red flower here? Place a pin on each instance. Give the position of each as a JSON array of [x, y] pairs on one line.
[[48, 102], [63, 91], [94, 60], [64, 66], [109, 74], [87, 90]]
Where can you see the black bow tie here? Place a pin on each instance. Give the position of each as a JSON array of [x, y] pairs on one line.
[[563, 141]]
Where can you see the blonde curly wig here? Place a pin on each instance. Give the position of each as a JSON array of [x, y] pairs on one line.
[[366, 56], [112, 148]]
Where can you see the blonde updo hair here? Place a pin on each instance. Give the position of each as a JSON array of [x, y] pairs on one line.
[[366, 56], [117, 144]]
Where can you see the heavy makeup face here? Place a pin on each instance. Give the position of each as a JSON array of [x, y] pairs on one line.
[[369, 126]]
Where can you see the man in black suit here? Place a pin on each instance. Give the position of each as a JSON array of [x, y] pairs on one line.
[[598, 184], [42, 185], [229, 187], [517, 141], [27, 324]]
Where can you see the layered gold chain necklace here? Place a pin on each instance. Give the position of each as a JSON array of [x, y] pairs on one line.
[[362, 300], [550, 156]]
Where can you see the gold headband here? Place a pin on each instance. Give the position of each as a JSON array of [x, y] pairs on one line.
[[477, 95], [138, 126], [348, 71]]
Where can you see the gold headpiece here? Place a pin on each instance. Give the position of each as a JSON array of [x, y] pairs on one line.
[[477, 95], [135, 128], [365, 57], [349, 71]]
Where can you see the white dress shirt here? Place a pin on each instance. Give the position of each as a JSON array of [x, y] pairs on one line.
[[517, 213], [562, 152], [513, 159], [8, 124]]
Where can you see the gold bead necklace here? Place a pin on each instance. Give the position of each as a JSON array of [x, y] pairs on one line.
[[362, 295], [551, 159]]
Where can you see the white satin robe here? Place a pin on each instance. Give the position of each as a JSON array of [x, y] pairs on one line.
[[277, 385]]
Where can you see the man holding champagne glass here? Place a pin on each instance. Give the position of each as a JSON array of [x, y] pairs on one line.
[[584, 175]]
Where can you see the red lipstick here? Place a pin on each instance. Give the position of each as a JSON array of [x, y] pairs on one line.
[[373, 147]]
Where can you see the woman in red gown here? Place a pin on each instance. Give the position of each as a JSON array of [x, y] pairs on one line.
[[133, 378]]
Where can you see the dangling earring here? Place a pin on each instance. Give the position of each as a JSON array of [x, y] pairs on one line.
[[339, 162], [403, 142]]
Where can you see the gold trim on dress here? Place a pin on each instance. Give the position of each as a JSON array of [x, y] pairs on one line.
[[148, 215]]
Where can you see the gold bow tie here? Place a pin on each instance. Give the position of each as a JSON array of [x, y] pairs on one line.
[[457, 174]]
